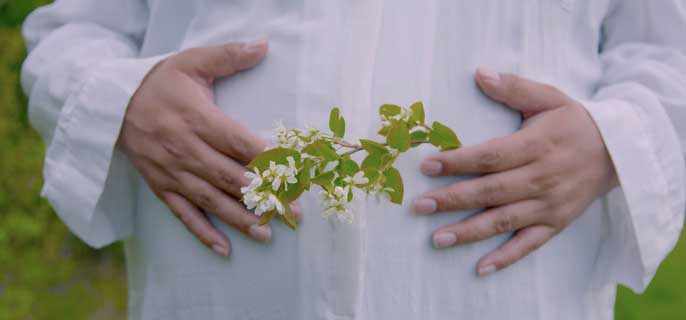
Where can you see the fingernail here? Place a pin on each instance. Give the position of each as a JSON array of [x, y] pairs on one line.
[[424, 206], [297, 211], [220, 250], [431, 167], [444, 239], [484, 271], [260, 233], [255, 45], [489, 76]]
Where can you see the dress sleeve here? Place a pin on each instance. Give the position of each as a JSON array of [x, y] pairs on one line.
[[82, 69], [639, 107]]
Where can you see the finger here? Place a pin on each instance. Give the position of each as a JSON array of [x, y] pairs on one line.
[[498, 154], [521, 94], [297, 211], [227, 209], [484, 192], [226, 174], [490, 223], [213, 62], [524, 242], [218, 169], [230, 137], [196, 222]]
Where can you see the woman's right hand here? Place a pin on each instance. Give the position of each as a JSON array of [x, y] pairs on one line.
[[191, 155]]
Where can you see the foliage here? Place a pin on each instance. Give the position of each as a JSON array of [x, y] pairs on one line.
[[45, 273], [311, 156]]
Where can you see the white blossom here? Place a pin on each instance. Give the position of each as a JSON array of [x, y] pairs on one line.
[[279, 173], [357, 179], [255, 181], [403, 116], [378, 191], [277, 204], [295, 139], [263, 201], [336, 202], [291, 171], [252, 199]]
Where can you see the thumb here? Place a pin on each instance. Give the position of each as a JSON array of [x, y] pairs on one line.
[[529, 97], [214, 62]]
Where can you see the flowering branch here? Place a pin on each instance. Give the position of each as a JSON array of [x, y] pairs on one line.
[[358, 148], [311, 156]]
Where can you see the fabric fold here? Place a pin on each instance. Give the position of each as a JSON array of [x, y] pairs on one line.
[[83, 147]]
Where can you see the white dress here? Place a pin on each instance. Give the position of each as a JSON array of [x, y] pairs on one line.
[[624, 59]]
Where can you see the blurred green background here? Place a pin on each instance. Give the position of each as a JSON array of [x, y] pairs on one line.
[[46, 273]]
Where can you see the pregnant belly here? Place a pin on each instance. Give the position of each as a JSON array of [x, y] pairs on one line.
[[386, 250]]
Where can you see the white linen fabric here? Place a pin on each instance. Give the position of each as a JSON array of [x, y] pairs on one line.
[[624, 59]]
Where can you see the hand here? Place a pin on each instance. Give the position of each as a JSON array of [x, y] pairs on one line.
[[536, 181], [191, 155]]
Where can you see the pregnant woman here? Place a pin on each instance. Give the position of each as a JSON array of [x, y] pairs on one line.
[[573, 133]]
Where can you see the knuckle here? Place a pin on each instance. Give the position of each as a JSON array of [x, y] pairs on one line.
[[172, 148], [192, 119], [550, 213], [504, 222], [206, 201], [159, 183], [186, 219], [541, 183], [449, 199], [228, 179], [241, 147], [228, 58], [489, 194], [489, 160]]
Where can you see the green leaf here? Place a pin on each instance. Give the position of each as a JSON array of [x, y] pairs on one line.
[[324, 179], [294, 190], [372, 161], [266, 217], [304, 173], [418, 136], [321, 149], [333, 118], [337, 123], [383, 131], [349, 167], [371, 174], [443, 137], [289, 217], [395, 182], [278, 155], [389, 110], [373, 147], [399, 137], [417, 113]]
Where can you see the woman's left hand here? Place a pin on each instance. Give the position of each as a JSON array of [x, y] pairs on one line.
[[536, 181]]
